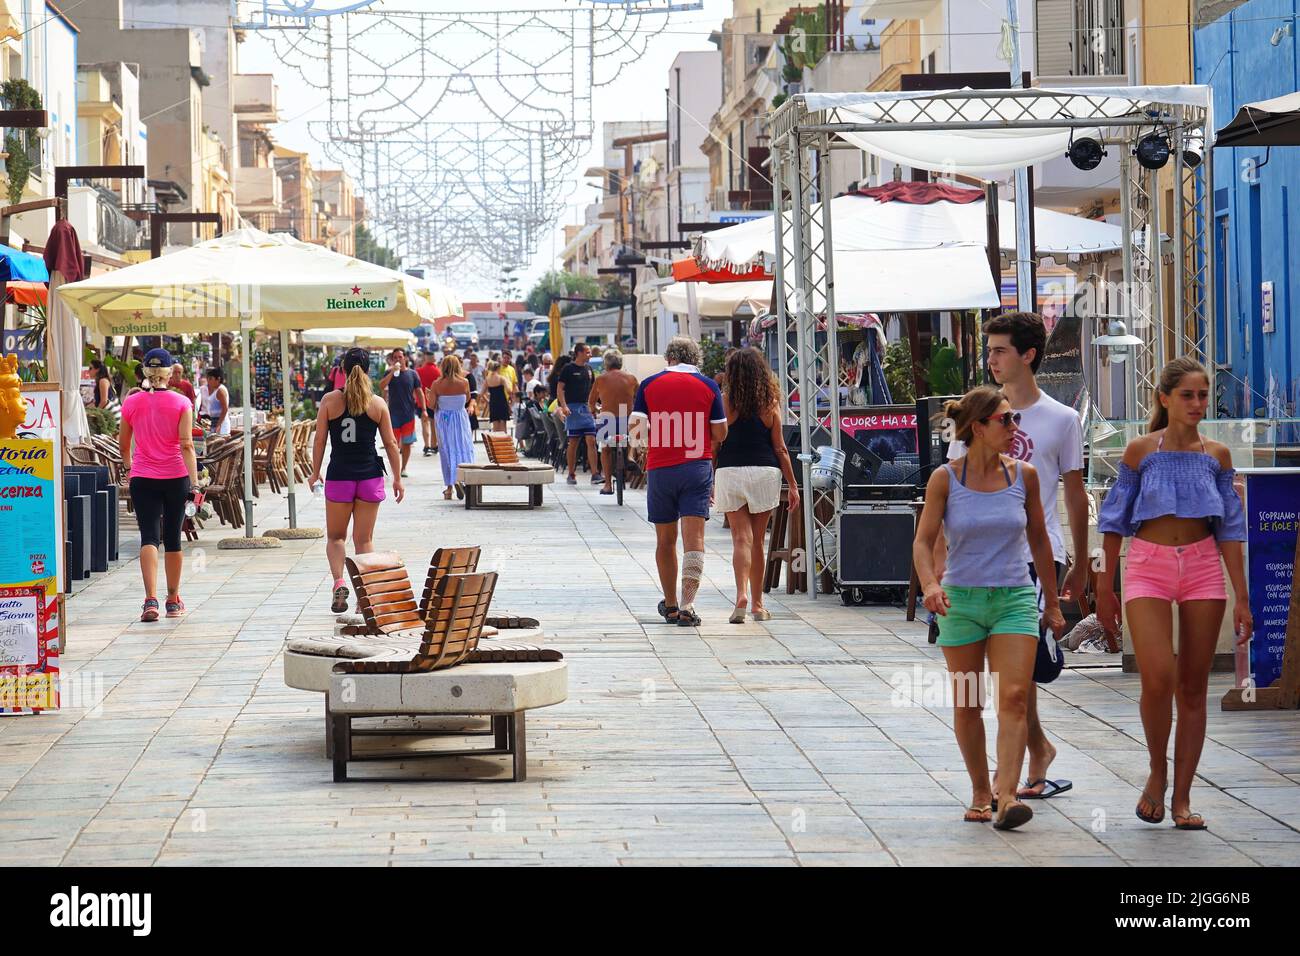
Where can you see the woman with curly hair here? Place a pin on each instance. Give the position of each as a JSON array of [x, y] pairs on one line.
[[748, 467]]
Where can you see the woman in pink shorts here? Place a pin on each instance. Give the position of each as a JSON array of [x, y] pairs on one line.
[[354, 481], [1176, 498]]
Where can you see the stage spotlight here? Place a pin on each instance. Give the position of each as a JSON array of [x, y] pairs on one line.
[[1085, 154], [1152, 151]]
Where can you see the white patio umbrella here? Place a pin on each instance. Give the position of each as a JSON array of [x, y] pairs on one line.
[[366, 338], [442, 300], [245, 281]]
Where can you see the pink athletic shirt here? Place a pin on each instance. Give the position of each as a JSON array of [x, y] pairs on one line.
[[155, 420]]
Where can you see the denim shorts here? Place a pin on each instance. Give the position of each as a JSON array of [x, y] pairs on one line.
[[976, 613], [679, 491]]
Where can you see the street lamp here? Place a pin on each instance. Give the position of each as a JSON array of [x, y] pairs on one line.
[[1120, 343]]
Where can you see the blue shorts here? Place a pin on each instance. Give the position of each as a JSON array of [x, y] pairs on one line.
[[580, 421], [679, 491]]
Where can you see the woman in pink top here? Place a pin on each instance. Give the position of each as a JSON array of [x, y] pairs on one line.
[[158, 422]]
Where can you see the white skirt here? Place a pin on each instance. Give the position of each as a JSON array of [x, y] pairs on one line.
[[755, 486]]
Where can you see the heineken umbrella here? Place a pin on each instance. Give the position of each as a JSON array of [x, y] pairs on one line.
[[275, 281], [443, 301], [366, 338], [247, 281]]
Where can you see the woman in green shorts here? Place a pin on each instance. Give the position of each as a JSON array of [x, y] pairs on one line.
[[987, 503]]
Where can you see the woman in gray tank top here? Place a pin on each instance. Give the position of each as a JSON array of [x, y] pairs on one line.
[[987, 503]]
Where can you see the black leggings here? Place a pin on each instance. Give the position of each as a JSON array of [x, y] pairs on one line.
[[160, 510]]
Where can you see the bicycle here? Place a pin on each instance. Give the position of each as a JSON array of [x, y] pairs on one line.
[[619, 463]]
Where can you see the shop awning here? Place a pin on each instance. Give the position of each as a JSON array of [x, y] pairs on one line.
[[873, 220], [22, 266], [689, 270], [1274, 122], [585, 233], [27, 293]]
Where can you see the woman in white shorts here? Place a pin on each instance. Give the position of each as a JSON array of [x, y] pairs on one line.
[[749, 464]]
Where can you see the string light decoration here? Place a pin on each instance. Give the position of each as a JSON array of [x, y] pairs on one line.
[[473, 120]]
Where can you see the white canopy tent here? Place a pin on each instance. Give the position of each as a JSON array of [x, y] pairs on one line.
[[247, 281], [880, 280], [863, 223], [979, 132], [1037, 127], [717, 300]]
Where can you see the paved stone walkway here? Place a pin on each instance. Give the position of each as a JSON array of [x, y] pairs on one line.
[[810, 739]]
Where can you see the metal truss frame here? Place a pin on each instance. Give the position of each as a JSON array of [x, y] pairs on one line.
[[801, 140]]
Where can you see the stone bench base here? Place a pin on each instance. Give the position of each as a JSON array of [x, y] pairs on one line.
[[477, 477], [503, 692]]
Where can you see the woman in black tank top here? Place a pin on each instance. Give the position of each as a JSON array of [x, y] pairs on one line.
[[749, 466], [350, 419]]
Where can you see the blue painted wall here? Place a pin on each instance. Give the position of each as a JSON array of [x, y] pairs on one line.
[[1259, 205]]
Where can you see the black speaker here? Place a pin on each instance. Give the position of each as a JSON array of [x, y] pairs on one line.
[[930, 443], [876, 544]]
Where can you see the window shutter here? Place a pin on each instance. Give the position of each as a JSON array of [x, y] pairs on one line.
[[1054, 26]]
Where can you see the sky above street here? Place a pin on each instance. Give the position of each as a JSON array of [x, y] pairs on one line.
[[638, 93]]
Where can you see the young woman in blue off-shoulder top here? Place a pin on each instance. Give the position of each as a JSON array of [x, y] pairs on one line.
[[1176, 498]]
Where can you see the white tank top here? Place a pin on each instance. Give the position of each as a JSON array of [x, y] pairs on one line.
[[214, 411]]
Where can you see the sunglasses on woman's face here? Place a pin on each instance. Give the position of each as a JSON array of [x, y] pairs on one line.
[[1006, 418]]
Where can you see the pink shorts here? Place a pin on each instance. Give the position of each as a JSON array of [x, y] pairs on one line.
[[1189, 572], [343, 492]]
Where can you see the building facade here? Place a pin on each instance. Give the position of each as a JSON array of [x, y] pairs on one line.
[[1250, 54]]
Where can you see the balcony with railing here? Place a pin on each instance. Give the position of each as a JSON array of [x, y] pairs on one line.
[[257, 190], [255, 98], [96, 212]]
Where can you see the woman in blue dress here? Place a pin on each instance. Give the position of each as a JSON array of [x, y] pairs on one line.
[[451, 392]]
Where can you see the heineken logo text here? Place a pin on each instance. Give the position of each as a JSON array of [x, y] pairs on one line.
[[361, 303]]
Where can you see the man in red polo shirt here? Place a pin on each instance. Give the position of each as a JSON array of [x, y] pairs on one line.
[[429, 373], [678, 416]]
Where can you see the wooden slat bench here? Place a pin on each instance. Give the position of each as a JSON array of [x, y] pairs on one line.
[[504, 469], [448, 675], [385, 598]]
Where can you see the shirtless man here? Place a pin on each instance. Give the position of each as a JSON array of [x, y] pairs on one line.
[[614, 391]]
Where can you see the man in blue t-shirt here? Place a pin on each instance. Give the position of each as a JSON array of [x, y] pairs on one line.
[[678, 416], [405, 397]]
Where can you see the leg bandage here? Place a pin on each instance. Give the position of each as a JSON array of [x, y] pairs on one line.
[[692, 571]]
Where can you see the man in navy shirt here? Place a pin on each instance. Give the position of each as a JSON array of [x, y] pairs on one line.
[[678, 416]]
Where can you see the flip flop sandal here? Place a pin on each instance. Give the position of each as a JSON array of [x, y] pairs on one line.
[[1050, 789], [1187, 824], [1150, 817], [669, 614], [984, 814], [687, 618], [1017, 815], [340, 600]]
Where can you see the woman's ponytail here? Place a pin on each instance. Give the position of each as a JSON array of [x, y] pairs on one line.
[[357, 391]]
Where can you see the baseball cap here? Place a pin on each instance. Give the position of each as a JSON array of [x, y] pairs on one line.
[[158, 358]]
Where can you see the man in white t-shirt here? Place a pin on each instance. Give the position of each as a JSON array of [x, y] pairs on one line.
[[1050, 438]]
